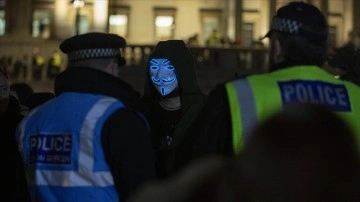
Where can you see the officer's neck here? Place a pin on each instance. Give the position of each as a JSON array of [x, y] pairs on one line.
[[287, 63], [171, 103]]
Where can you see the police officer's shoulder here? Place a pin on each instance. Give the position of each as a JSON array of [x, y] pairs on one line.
[[128, 118], [238, 76], [220, 88]]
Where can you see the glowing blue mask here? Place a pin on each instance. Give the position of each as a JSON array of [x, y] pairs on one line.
[[162, 75]]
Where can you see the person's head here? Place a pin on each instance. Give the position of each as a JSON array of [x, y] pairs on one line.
[[99, 51], [36, 50], [163, 76], [298, 35], [302, 153], [4, 91], [171, 70], [22, 90]]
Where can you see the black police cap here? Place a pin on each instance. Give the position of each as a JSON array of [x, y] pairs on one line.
[[302, 19], [93, 45]]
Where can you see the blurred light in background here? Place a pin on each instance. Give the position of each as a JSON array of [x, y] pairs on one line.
[[118, 24], [78, 3], [164, 21]]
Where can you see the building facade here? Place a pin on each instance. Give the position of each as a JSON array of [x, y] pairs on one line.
[[25, 24]]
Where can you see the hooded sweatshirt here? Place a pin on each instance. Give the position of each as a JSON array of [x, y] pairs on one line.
[[168, 128]]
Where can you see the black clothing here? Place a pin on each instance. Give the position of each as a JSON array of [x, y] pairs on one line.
[[37, 99], [163, 122], [211, 132], [347, 58], [170, 127], [125, 136], [14, 189], [19, 67], [23, 91]]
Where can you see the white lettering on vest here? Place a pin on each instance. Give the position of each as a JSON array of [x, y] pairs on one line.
[[301, 93], [49, 143], [341, 96], [319, 95], [289, 90], [329, 95]]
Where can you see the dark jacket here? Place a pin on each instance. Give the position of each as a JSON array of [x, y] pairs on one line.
[[211, 132], [14, 186], [169, 127], [125, 135]]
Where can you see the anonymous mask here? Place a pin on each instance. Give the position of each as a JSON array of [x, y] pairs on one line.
[[162, 75]]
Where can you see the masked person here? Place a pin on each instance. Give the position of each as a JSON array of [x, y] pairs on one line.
[[172, 99], [298, 49], [89, 142]]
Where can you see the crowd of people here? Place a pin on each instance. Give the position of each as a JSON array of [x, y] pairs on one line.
[[32, 66], [291, 134]]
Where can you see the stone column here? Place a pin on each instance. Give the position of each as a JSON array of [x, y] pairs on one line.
[[18, 14], [272, 10], [62, 16], [324, 7], [230, 29], [356, 16], [238, 17], [101, 15]]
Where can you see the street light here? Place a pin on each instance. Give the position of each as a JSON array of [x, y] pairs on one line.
[[78, 4]]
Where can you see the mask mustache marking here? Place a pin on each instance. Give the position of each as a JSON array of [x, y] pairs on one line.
[[163, 80]]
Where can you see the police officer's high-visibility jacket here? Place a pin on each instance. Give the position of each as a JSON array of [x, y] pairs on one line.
[[254, 98], [64, 159], [56, 59], [39, 60]]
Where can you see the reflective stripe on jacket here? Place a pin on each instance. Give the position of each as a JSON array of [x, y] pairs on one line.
[[253, 99], [61, 145]]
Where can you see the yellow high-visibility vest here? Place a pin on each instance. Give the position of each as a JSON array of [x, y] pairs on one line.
[[56, 59], [39, 60], [255, 98]]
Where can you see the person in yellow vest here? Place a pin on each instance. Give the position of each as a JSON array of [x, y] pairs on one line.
[[54, 65], [214, 39], [298, 50], [37, 64]]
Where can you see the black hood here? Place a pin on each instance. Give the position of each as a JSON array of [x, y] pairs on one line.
[[192, 99], [180, 56]]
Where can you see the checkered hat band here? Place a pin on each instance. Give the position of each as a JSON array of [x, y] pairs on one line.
[[286, 25], [93, 53]]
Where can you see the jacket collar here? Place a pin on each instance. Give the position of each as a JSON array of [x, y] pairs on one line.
[[87, 80]]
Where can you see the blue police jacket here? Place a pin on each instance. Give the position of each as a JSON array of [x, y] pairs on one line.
[[61, 145]]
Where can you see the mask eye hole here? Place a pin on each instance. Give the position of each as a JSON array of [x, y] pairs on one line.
[[154, 67], [170, 67]]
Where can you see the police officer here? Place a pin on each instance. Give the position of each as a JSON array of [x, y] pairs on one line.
[[89, 143], [54, 64], [298, 49]]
